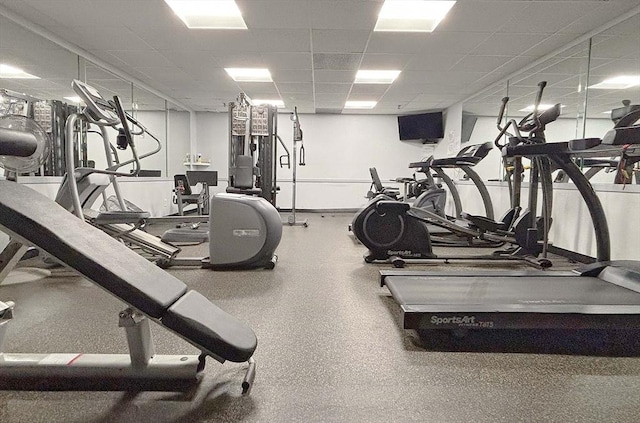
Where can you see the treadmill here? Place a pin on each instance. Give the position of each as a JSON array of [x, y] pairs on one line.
[[602, 295], [598, 296]]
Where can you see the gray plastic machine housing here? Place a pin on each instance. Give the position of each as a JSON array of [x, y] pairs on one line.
[[244, 231]]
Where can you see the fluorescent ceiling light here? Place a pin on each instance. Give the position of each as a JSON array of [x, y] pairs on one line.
[[249, 74], [360, 104], [541, 107], [376, 76], [621, 82], [208, 14], [277, 103], [8, 71], [412, 15], [75, 99]]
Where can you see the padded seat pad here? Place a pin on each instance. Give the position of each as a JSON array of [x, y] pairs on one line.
[[88, 250], [246, 191], [211, 328]]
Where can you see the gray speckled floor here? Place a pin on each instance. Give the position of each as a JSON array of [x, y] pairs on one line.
[[330, 350]]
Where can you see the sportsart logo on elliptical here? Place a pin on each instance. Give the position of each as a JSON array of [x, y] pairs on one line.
[[403, 253], [462, 321], [453, 320]]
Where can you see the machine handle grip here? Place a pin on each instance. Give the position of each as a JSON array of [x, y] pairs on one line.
[[17, 143], [505, 100]]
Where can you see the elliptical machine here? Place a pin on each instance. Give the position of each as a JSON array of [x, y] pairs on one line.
[[245, 231], [396, 232]]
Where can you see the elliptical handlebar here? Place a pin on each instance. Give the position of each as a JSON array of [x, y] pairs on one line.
[[505, 100], [127, 133], [525, 123]]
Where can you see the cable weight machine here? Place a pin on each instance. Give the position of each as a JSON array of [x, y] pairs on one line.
[[252, 147]]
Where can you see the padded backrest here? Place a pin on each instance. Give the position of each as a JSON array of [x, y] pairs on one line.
[[209, 177], [243, 172], [182, 181], [88, 250], [377, 183]]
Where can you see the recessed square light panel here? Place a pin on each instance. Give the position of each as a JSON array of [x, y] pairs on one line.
[[376, 76], [412, 15], [360, 104], [208, 14], [249, 74], [11, 72]]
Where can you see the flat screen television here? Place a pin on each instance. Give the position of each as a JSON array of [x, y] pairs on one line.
[[425, 127]]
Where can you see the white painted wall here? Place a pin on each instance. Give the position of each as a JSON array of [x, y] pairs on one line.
[[339, 149]]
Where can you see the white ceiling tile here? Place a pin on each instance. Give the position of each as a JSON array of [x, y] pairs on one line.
[[141, 58], [343, 77], [295, 88], [275, 14], [333, 88], [288, 75], [480, 16], [434, 63], [234, 59], [547, 19], [397, 43], [339, 41], [145, 39], [344, 14], [385, 61], [287, 61], [373, 89], [508, 44], [259, 89], [282, 40]]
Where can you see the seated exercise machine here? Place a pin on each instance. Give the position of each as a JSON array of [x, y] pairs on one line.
[[377, 188], [150, 294], [430, 196], [252, 229], [185, 195], [191, 233], [602, 295]]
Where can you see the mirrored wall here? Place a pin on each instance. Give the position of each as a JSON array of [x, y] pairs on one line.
[[33, 66], [589, 80]]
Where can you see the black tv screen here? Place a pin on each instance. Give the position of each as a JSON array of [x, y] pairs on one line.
[[425, 126]]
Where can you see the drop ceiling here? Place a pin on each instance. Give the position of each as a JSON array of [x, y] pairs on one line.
[[313, 49]]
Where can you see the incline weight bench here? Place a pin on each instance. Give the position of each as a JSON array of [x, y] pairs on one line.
[[30, 218]]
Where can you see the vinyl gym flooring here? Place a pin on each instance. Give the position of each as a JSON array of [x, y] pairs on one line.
[[330, 349]]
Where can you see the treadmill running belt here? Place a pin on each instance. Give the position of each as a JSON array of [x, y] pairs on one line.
[[525, 302]]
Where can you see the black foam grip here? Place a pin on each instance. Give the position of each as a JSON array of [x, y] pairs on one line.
[[17, 143]]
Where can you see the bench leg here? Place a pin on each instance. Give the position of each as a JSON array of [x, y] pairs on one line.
[[141, 348], [10, 256]]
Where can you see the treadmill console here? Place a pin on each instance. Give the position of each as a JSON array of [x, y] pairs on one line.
[[97, 106]]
